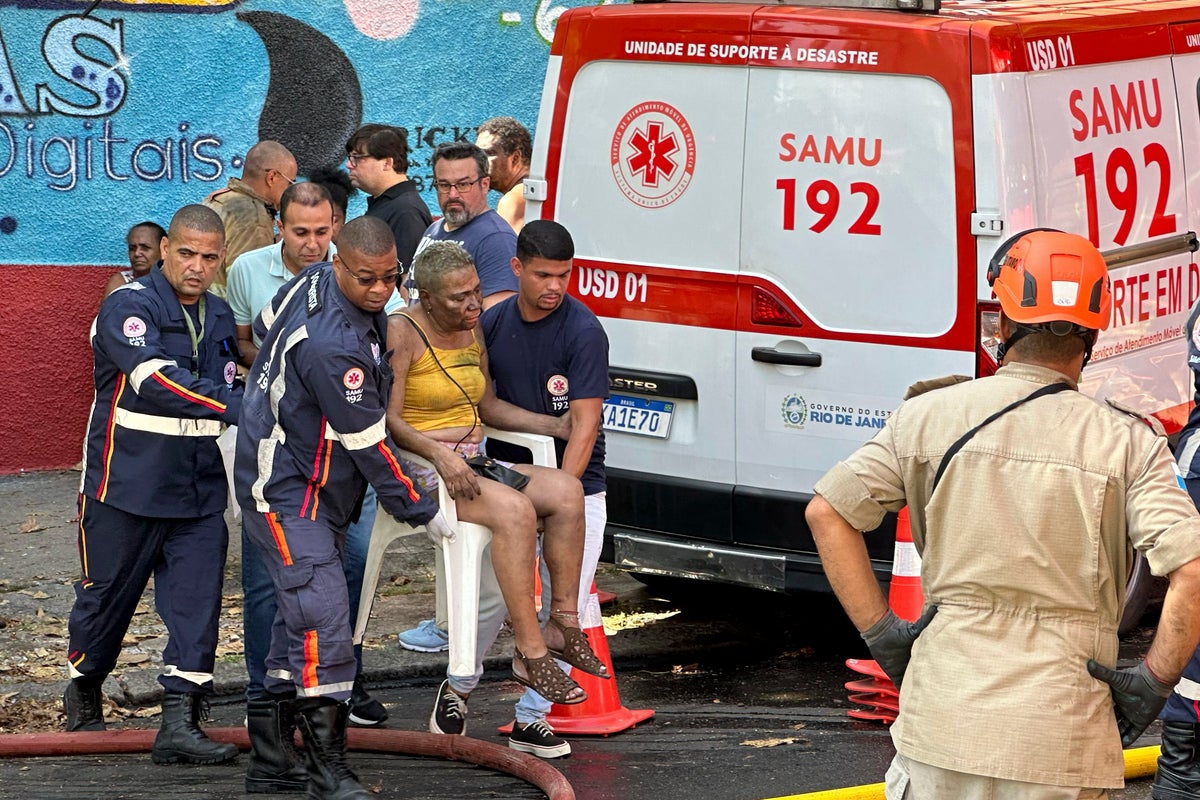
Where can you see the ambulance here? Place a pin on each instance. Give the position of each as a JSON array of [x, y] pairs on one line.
[[783, 215]]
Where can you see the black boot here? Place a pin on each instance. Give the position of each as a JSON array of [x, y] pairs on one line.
[[1178, 775], [82, 705], [274, 763], [180, 739], [322, 721]]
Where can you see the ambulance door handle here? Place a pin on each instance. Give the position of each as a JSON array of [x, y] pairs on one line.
[[769, 355]]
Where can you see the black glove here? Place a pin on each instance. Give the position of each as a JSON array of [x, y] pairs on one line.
[[891, 641], [1137, 697]]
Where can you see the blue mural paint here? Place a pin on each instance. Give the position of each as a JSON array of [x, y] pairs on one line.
[[139, 108]]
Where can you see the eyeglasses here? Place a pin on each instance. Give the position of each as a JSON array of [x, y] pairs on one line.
[[444, 187], [353, 158], [291, 181], [367, 281]]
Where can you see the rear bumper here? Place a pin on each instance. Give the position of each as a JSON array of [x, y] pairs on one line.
[[656, 554]]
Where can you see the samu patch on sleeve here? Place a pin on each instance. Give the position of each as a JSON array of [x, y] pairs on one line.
[[134, 329], [353, 381]]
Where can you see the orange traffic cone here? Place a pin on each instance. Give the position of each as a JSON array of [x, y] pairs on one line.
[[602, 712], [906, 599], [905, 596]]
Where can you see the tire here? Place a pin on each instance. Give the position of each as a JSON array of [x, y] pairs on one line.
[[1137, 593]]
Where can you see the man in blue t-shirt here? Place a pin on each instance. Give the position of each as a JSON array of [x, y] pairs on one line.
[[460, 176], [548, 353]]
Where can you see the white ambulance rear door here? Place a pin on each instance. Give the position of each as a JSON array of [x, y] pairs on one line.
[[852, 203], [646, 174]]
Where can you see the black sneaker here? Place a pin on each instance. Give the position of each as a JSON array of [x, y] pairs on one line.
[[539, 739], [449, 712], [365, 711]]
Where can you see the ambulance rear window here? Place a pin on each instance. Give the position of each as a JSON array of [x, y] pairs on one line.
[[652, 164], [837, 186], [848, 198]]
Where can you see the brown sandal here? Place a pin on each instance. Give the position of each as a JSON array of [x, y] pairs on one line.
[[576, 649], [546, 678]]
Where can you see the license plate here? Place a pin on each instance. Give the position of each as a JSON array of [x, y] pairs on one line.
[[637, 415]]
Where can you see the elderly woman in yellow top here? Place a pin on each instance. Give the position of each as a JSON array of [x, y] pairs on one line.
[[441, 394]]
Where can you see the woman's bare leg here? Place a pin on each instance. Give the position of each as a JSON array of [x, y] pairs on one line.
[[513, 523], [557, 498]]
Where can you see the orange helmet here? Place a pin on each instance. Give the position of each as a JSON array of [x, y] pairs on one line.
[[1045, 275]]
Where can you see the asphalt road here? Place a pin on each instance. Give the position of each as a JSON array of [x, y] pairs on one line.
[[763, 721], [747, 687]]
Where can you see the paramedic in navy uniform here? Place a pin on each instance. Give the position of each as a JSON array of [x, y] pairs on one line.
[[547, 353], [312, 435], [1178, 776], [154, 490]]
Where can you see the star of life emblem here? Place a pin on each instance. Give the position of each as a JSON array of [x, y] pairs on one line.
[[653, 154]]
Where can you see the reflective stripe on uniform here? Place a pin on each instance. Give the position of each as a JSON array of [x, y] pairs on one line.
[[323, 689], [267, 445], [168, 426], [145, 370], [269, 315], [1188, 688], [198, 678], [1186, 457], [362, 439]]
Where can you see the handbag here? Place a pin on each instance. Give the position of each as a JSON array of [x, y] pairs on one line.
[[493, 470]]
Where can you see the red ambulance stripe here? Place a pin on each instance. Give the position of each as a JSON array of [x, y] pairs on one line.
[[187, 394], [280, 539], [1174, 417], [398, 472], [724, 301], [309, 679], [106, 459]]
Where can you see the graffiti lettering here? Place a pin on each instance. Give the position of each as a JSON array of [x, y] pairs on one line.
[[101, 82], [58, 157]]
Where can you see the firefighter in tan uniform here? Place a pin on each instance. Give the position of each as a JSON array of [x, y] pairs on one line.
[[247, 206], [1024, 529]]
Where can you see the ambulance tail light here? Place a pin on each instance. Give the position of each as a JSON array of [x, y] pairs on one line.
[[989, 339], [767, 309]]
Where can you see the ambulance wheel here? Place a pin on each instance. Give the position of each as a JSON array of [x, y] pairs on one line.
[[1137, 593]]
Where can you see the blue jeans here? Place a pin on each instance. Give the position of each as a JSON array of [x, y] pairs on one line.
[[258, 590]]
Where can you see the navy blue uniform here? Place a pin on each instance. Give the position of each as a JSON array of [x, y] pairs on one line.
[[1184, 703], [154, 491], [541, 365], [312, 434]]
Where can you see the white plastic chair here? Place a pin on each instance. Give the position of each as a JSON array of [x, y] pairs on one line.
[[463, 556]]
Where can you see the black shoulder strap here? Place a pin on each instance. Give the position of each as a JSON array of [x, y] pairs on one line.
[[420, 333], [1053, 388], [449, 377]]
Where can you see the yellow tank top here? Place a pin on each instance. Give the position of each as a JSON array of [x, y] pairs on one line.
[[432, 401]]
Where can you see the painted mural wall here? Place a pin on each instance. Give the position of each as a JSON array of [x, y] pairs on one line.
[[116, 111]]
